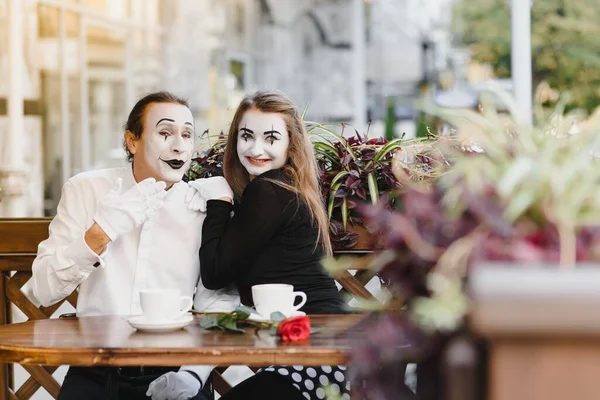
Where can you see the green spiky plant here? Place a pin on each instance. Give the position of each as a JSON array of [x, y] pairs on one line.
[[352, 170], [358, 169]]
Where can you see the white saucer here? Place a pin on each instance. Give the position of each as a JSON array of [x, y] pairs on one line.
[[140, 323], [256, 317]]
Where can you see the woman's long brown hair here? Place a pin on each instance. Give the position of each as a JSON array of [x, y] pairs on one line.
[[301, 165]]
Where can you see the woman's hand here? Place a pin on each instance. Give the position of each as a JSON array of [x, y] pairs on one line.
[[202, 190]]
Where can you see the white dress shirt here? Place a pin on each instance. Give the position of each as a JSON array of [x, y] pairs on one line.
[[162, 253]]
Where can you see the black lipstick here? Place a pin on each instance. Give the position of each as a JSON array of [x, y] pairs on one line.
[[175, 164]]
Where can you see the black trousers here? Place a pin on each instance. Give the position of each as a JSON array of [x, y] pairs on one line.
[[264, 386], [103, 383]]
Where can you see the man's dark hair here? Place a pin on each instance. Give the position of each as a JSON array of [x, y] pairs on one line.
[[135, 121]]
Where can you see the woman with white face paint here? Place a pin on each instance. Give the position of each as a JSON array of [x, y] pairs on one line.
[[278, 233]]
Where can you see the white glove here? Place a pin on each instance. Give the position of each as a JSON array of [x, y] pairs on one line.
[[120, 213], [174, 386], [202, 190]]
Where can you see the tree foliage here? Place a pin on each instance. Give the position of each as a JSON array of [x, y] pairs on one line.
[[565, 42]]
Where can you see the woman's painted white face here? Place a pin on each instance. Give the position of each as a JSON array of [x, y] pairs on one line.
[[165, 148], [262, 141]]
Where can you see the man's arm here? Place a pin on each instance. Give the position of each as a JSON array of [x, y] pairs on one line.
[[96, 239], [70, 254]]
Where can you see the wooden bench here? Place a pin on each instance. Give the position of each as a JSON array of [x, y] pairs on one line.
[[19, 239]]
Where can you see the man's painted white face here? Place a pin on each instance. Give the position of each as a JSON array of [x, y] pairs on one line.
[[167, 142], [262, 141]]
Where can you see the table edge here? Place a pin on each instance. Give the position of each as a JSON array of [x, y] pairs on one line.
[[219, 356]]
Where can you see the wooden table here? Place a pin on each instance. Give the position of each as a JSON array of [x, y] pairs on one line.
[[111, 341]]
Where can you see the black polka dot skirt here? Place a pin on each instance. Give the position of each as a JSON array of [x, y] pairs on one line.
[[316, 382]]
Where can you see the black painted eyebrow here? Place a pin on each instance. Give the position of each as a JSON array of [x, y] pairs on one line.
[[247, 130], [272, 131], [190, 124], [165, 119]]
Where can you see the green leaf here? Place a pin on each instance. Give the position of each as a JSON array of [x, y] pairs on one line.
[[345, 213], [326, 151], [373, 188], [340, 138], [222, 319], [389, 147], [243, 312], [209, 323], [273, 331], [326, 147], [304, 111], [277, 316], [341, 175], [334, 190], [330, 204], [232, 326], [314, 330]]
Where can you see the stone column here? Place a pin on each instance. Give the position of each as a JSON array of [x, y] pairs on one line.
[[103, 141], [521, 57], [13, 174], [193, 59], [359, 76]]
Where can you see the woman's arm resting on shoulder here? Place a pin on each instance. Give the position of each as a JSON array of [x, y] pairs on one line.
[[230, 245]]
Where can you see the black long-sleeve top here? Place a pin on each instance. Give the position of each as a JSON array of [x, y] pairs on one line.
[[269, 239]]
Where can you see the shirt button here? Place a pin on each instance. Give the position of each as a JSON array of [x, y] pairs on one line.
[[97, 264]]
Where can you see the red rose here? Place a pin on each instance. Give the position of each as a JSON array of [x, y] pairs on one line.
[[293, 329]]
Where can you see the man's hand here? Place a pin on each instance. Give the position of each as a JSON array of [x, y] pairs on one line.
[[202, 190], [119, 213], [174, 386]]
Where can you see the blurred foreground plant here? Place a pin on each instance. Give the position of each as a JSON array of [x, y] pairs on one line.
[[529, 196]]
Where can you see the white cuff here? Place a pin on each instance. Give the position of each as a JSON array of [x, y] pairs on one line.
[[106, 227], [203, 371], [82, 256]]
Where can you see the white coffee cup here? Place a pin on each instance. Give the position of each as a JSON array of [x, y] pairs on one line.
[[164, 304], [272, 297]]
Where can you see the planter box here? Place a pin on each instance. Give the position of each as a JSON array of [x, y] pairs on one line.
[[543, 327], [366, 241]]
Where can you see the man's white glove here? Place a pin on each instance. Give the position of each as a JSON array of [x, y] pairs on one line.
[[119, 213], [174, 386], [202, 190]]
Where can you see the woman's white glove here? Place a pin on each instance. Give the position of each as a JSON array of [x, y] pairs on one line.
[[119, 213], [174, 386], [202, 190]]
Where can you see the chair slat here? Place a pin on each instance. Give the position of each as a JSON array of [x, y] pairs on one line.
[[31, 386], [22, 236], [14, 294], [16, 261], [220, 385], [41, 375], [353, 286]]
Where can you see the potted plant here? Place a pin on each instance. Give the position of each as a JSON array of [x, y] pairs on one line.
[[506, 237], [208, 162], [358, 169], [352, 170]]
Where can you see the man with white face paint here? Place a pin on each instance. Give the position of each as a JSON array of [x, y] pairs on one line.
[[118, 231]]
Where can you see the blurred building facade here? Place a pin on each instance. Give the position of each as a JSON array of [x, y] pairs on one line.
[[74, 68]]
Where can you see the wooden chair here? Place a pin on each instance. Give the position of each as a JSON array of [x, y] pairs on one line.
[[19, 239]]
